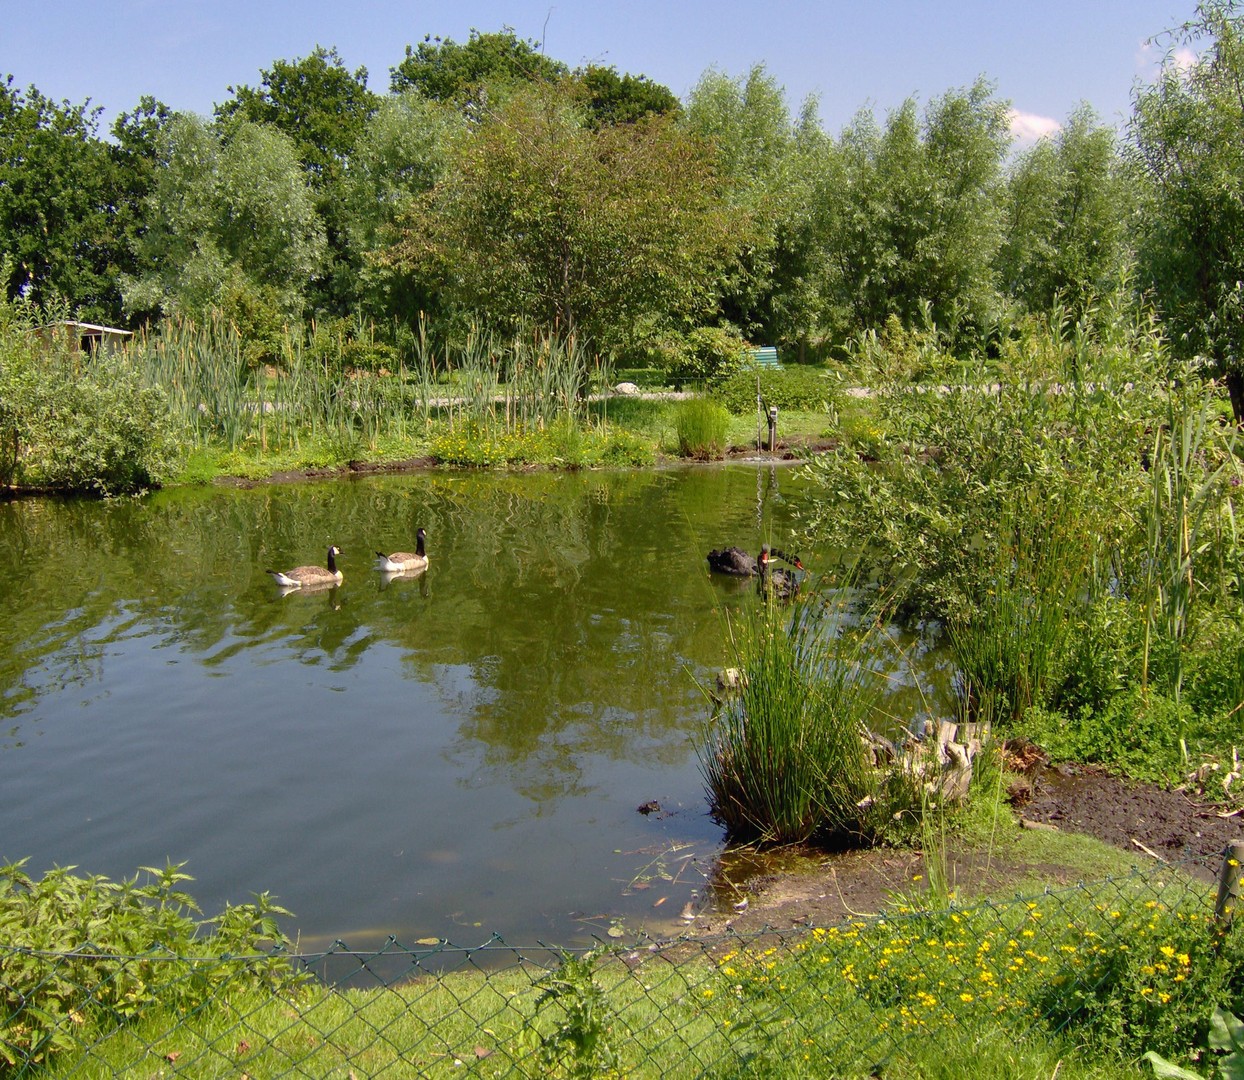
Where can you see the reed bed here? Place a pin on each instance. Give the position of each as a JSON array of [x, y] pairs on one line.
[[783, 758], [314, 391]]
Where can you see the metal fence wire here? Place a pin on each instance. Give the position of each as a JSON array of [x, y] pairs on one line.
[[1122, 964]]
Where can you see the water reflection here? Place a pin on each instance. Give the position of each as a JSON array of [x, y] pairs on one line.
[[458, 749]]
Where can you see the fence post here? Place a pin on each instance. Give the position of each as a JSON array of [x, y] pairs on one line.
[[1228, 884], [772, 427]]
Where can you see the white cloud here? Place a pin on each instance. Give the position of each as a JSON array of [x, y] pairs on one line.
[[1183, 58], [1029, 128]]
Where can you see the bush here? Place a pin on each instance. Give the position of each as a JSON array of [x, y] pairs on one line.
[[707, 354], [77, 422], [701, 426], [797, 388], [85, 952], [344, 346]]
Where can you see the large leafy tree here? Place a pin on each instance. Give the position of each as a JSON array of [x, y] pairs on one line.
[[318, 102], [402, 153], [324, 109], [58, 187], [1068, 205], [443, 70], [611, 98], [767, 165], [138, 142], [913, 219], [542, 217], [1188, 146], [228, 213]]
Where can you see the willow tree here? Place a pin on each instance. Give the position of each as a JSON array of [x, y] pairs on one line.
[[1188, 145], [768, 163], [1067, 207], [228, 214], [592, 230], [913, 214]]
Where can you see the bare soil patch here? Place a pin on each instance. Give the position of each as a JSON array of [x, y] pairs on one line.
[[822, 890]]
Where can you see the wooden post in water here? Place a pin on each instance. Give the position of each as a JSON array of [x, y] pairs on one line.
[[1228, 884]]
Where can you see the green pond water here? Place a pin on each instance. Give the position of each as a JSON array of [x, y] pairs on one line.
[[450, 755]]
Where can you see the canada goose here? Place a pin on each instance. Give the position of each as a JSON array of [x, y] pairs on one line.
[[404, 561], [774, 581], [303, 577], [733, 560]]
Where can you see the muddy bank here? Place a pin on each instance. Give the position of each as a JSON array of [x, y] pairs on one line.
[[802, 888]]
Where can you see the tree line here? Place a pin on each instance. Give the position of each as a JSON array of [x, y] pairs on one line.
[[494, 187]]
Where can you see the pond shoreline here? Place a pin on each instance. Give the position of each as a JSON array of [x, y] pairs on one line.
[[788, 451]]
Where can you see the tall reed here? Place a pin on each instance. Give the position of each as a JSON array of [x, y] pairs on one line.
[[1185, 484], [1008, 644], [784, 760]]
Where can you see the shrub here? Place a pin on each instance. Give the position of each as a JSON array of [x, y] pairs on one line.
[[77, 422], [701, 426], [84, 951], [707, 354], [796, 388], [342, 346]]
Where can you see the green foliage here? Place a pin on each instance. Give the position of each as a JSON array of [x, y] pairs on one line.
[[783, 758], [539, 218], [1188, 484], [769, 165], [227, 205], [443, 70], [706, 354], [87, 951], [1189, 157], [1058, 431], [581, 1043], [59, 193], [1068, 201], [889, 244], [1226, 1033], [74, 421], [317, 102], [342, 346], [1153, 993], [794, 387], [1216, 667], [565, 443], [622, 99], [1135, 734], [1008, 647], [701, 427]]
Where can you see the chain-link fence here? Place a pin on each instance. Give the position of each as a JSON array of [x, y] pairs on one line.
[[1118, 965]]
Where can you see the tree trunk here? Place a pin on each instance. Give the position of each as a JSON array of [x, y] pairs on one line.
[[1235, 388]]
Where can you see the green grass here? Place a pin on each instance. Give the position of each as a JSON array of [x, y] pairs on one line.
[[1075, 981]]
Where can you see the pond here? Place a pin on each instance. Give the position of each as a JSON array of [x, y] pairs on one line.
[[450, 755]]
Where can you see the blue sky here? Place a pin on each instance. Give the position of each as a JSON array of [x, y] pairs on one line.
[[1045, 57]]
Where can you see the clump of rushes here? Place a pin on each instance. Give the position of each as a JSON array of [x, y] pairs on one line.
[[783, 758], [701, 426]]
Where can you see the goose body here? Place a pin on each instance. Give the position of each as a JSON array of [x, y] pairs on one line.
[[734, 560], [305, 577], [405, 561]]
